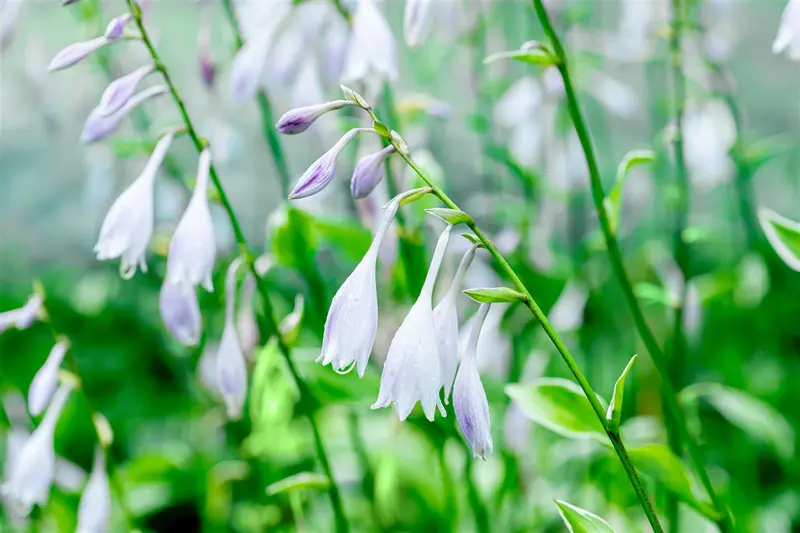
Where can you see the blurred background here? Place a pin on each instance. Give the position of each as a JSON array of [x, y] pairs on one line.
[[497, 137]]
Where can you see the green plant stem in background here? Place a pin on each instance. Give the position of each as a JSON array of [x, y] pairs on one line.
[[271, 325], [265, 108], [483, 111], [478, 508], [725, 521]]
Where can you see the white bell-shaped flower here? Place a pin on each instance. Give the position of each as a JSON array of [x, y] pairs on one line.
[[192, 249], [469, 398], [372, 51], [94, 510], [788, 37], [352, 321], [231, 364], [128, 226], [412, 370], [445, 318], [45, 381], [417, 21], [33, 472], [23, 317]]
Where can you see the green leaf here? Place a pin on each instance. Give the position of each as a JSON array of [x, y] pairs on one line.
[[613, 202], [580, 520], [451, 216], [381, 128], [753, 416], [126, 147], [614, 415], [301, 481], [409, 197], [560, 406], [293, 240], [783, 235], [532, 52], [495, 294], [657, 461], [473, 239], [351, 95], [654, 294], [291, 323]]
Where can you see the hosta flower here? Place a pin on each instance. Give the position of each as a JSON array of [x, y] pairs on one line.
[[445, 318], [371, 52], [77, 52], [246, 324], [128, 226], [180, 312], [788, 37], [412, 371], [117, 26], [122, 89], [192, 248], [23, 317], [94, 510], [353, 316], [100, 125], [248, 67], [469, 398], [369, 172], [416, 21], [33, 471], [231, 364], [299, 120], [46, 379], [9, 20], [321, 172]]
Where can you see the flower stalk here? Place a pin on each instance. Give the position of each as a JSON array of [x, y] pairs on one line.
[[268, 317]]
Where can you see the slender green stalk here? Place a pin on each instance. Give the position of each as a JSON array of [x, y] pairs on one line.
[[482, 524], [725, 521], [265, 108], [307, 399]]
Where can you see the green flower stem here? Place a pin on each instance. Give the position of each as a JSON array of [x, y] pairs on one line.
[[307, 399], [725, 522], [613, 437], [265, 108]]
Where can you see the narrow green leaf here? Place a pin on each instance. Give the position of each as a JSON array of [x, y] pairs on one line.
[[472, 238], [451, 216], [614, 415], [657, 461], [783, 235], [560, 406], [495, 294], [580, 520], [613, 202], [381, 128], [652, 293], [351, 95], [291, 323], [409, 197], [531, 52], [301, 481]]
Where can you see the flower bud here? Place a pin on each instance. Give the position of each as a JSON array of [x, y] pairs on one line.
[[416, 21], [99, 125], [231, 364], [248, 67], [23, 317], [372, 51], [321, 172], [117, 26], [94, 510], [788, 36], [122, 89], [45, 381], [299, 120], [180, 312], [369, 172], [76, 52]]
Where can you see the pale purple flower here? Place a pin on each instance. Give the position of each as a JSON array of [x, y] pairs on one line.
[[192, 249], [246, 324], [416, 21], [788, 37], [352, 321], [128, 226], [445, 318], [469, 398], [231, 364], [412, 370], [33, 471], [23, 317], [122, 89], [208, 70], [45, 381], [94, 510], [117, 26], [9, 20], [300, 119], [76, 52], [180, 312], [369, 172], [321, 172], [372, 51], [100, 125], [248, 67]]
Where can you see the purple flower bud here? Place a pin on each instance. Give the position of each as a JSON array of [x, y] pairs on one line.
[[98, 125], [45, 381], [208, 70], [180, 312], [369, 172], [299, 120], [231, 364], [117, 26], [320, 174], [122, 89], [76, 52], [23, 317]]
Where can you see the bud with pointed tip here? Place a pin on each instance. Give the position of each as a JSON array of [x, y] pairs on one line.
[[128, 226], [122, 89], [300, 119], [231, 364], [320, 173], [192, 249], [445, 318], [117, 26], [469, 398], [76, 52], [94, 510], [100, 125], [412, 371], [45, 381], [788, 36], [23, 317], [180, 312], [416, 21], [369, 172]]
